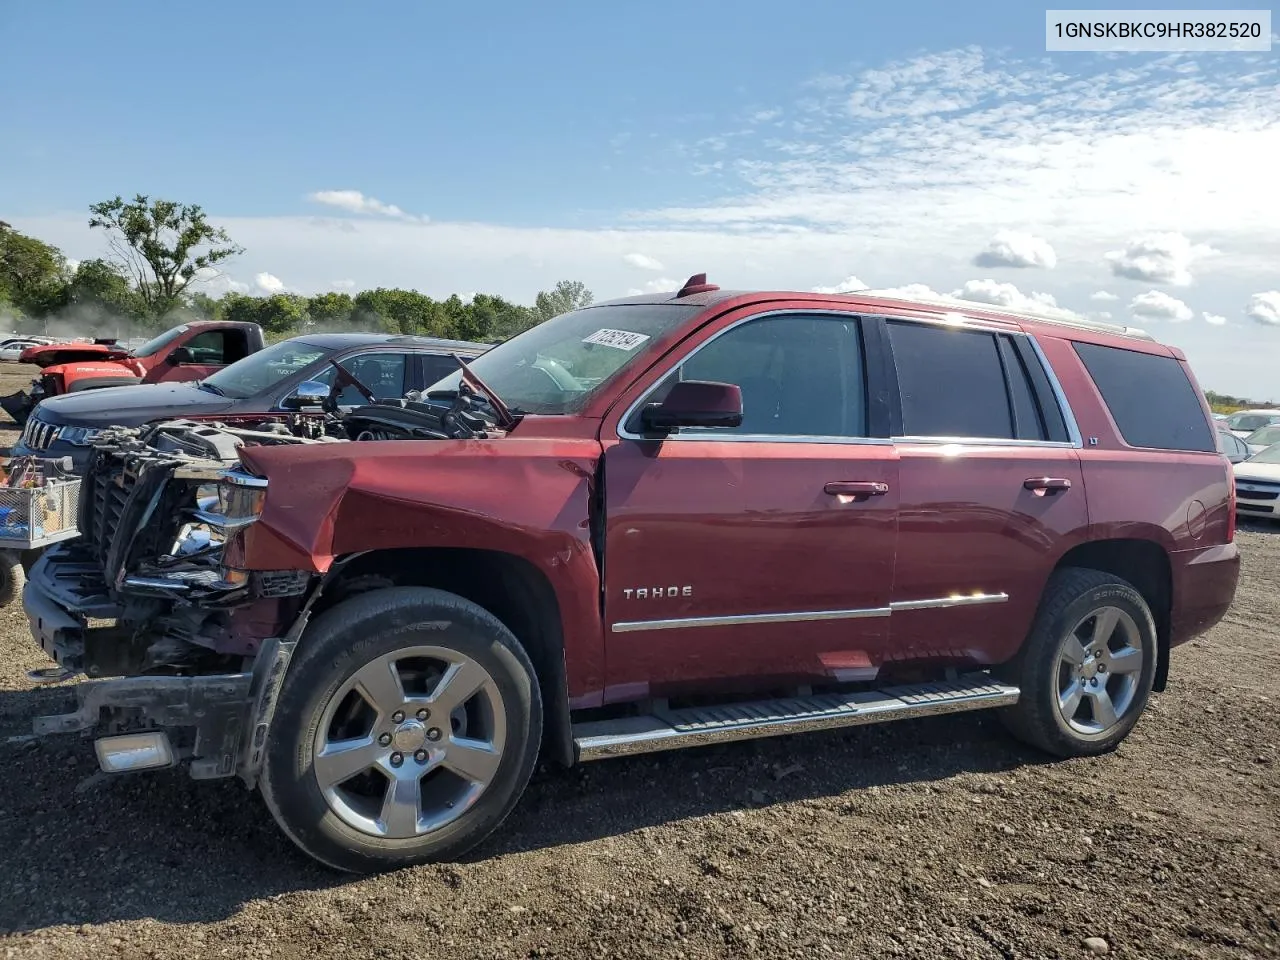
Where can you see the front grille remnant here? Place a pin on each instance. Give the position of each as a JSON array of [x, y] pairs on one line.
[[38, 435], [110, 492]]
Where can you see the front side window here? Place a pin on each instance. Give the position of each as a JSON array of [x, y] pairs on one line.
[[557, 366], [208, 348], [382, 373], [800, 375]]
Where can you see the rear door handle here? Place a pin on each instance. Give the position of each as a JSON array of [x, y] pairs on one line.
[[857, 489], [1047, 486]]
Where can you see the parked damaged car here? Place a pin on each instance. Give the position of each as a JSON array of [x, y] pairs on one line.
[[276, 385], [384, 622]]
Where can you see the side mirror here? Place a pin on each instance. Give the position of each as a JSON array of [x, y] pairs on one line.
[[696, 403], [309, 393], [181, 355]]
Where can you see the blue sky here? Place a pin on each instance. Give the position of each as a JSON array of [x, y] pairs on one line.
[[502, 146]]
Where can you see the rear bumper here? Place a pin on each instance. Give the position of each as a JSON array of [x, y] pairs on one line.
[[1204, 586]]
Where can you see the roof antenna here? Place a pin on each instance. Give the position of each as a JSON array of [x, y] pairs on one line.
[[696, 284]]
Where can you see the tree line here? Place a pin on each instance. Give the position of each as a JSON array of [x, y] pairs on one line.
[[163, 254]]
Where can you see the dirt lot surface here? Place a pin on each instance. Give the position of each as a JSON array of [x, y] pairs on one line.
[[932, 839]]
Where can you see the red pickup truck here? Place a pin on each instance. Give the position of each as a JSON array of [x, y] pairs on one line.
[[652, 523], [190, 351]]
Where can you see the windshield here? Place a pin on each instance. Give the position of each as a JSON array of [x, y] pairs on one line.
[[558, 365], [264, 369], [1250, 421], [157, 344], [1269, 455], [1264, 437]]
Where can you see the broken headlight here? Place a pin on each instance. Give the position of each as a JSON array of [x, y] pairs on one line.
[[234, 501]]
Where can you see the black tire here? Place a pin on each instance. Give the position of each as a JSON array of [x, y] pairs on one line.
[[1069, 599], [13, 577], [352, 635]]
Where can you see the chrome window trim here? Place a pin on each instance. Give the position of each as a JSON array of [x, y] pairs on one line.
[[625, 434], [956, 320], [1064, 405], [810, 616]]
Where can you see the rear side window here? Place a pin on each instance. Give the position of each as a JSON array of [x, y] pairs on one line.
[[969, 384], [1150, 398]]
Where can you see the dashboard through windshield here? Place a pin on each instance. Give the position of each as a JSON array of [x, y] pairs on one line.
[[556, 367]]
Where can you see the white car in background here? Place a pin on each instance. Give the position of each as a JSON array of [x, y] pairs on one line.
[[1262, 438], [1244, 422], [11, 349], [1258, 484]]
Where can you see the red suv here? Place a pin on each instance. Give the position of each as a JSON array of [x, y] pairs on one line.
[[652, 523]]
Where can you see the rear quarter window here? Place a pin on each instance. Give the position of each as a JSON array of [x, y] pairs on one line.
[[1150, 398]]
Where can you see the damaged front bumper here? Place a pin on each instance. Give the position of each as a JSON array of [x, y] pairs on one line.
[[217, 722], [183, 656]]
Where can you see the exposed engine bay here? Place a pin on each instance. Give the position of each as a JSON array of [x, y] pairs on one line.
[[159, 505]]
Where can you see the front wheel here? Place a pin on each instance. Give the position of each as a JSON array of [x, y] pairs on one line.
[[406, 731], [1087, 667]]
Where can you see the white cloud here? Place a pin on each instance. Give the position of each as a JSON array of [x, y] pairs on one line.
[[342, 284], [848, 285], [660, 285], [353, 201], [215, 283], [643, 261], [1103, 314], [1011, 249], [1158, 305], [1103, 295], [1265, 308], [1007, 295], [901, 170], [268, 284], [1158, 258], [1214, 319]]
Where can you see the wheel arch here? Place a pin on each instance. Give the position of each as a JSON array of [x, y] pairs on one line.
[[508, 586], [1146, 565]]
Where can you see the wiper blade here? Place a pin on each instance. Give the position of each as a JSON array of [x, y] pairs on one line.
[[505, 419], [211, 388]]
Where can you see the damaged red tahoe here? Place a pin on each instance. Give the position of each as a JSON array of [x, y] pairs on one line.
[[652, 523]]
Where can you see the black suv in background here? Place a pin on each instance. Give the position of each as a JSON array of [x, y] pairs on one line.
[[257, 387]]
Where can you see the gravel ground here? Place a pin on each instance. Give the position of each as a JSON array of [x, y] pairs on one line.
[[933, 838]]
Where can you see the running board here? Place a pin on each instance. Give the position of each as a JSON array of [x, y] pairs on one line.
[[700, 726]]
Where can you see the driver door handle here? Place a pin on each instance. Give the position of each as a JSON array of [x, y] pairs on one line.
[[1046, 486], [857, 489]]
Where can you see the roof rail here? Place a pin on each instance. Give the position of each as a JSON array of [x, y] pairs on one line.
[[1079, 323]]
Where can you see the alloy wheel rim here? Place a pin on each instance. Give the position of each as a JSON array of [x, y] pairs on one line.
[[409, 742], [1099, 667]]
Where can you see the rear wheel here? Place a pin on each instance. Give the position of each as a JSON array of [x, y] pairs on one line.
[[406, 731], [1087, 666]]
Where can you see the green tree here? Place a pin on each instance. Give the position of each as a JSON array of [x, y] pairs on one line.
[[394, 311], [204, 306], [330, 309], [98, 291], [493, 318], [33, 274], [162, 246], [564, 296], [282, 313]]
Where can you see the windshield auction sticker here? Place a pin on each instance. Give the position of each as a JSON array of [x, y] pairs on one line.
[[621, 339]]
